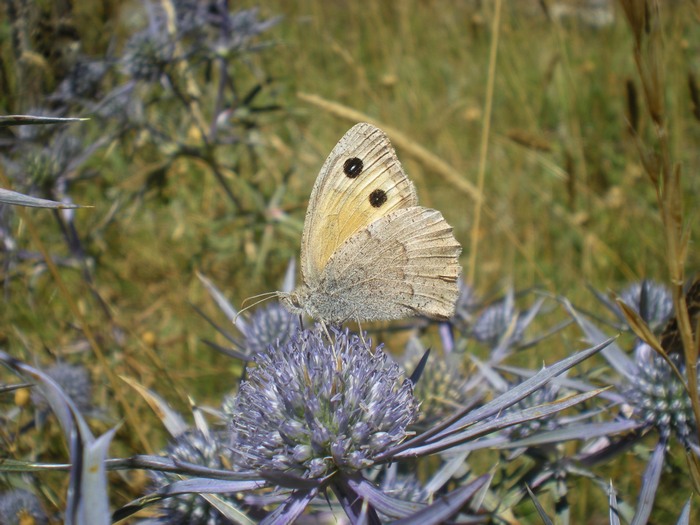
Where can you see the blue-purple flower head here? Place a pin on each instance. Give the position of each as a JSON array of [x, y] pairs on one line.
[[658, 396], [83, 80], [651, 300], [206, 450], [312, 406], [42, 165], [498, 321], [466, 306], [148, 54], [19, 507], [269, 325], [75, 382]]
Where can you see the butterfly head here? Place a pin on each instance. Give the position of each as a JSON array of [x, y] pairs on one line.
[[295, 301]]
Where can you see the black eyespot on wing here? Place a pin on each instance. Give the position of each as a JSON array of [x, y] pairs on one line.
[[377, 198], [353, 167]]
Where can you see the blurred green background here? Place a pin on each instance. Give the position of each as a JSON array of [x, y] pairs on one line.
[[566, 201]]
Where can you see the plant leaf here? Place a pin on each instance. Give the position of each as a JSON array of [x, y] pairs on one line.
[[185, 486], [291, 509], [26, 120], [20, 199], [383, 502], [446, 506], [650, 483], [538, 507], [171, 420], [612, 503], [573, 432]]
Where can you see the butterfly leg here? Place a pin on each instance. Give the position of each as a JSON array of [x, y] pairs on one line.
[[325, 329], [362, 334]]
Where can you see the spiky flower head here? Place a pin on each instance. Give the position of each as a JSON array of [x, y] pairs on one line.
[[312, 406], [651, 300], [268, 325], [201, 449], [658, 396], [405, 486], [20, 507], [74, 380], [83, 80], [466, 306], [499, 320], [147, 55], [214, 26], [44, 165]]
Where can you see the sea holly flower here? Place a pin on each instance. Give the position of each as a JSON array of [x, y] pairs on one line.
[[46, 161], [311, 408], [75, 382], [267, 325], [83, 80], [501, 326], [649, 390], [658, 397], [322, 411], [19, 507], [651, 300], [200, 448], [466, 307], [258, 327], [218, 30], [148, 54], [498, 320]]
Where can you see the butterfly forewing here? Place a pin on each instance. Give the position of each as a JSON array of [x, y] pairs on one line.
[[361, 181]]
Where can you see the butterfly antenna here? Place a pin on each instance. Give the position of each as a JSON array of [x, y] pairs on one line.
[[265, 296]]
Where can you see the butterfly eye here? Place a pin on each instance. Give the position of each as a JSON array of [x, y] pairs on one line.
[[377, 198], [353, 167]]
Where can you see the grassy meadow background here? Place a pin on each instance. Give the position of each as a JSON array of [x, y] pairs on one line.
[[565, 204]]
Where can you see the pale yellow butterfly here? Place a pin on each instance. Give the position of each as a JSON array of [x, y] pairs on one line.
[[368, 251]]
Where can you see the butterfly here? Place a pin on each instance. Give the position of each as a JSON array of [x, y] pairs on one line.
[[368, 251]]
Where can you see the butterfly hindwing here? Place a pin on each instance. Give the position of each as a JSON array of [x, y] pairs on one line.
[[361, 181], [403, 264]]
